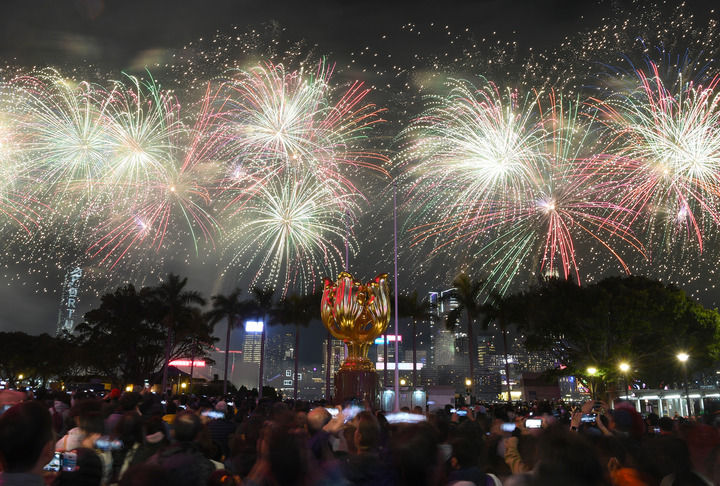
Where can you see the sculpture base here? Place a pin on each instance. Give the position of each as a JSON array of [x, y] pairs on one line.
[[356, 384]]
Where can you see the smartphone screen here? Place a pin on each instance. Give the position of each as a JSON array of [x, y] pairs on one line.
[[69, 461], [507, 427], [589, 418], [54, 464], [533, 423]]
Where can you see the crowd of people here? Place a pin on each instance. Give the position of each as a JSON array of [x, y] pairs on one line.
[[143, 439]]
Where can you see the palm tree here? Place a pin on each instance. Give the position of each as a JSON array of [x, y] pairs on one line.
[[469, 303], [262, 305], [174, 306], [299, 311], [228, 307], [499, 310], [417, 310], [196, 332]]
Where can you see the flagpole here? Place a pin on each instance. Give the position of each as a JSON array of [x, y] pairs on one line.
[[397, 367]]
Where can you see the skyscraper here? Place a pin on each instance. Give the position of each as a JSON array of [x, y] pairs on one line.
[[68, 300]]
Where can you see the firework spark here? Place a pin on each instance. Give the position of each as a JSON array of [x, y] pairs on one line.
[[663, 158]]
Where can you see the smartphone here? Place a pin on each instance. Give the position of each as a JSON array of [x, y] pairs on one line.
[[68, 461], [332, 411], [533, 423], [105, 443], [231, 404], [462, 413], [213, 414], [656, 430], [508, 427], [404, 418], [351, 411], [55, 463], [589, 418]]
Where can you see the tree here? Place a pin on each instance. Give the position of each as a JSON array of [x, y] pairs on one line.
[[467, 293], [196, 332], [38, 358], [299, 311], [228, 307], [174, 306], [417, 310], [120, 339], [124, 339], [633, 319], [262, 305], [502, 311]]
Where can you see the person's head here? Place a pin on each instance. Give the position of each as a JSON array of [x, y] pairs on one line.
[[27, 439], [129, 429], [186, 427], [317, 419], [154, 431], [144, 474], [414, 452], [286, 451], [129, 401], [666, 424], [567, 459], [610, 452], [462, 455], [91, 423], [367, 432]]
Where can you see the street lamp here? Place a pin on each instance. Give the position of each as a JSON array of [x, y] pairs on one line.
[[592, 371], [683, 358], [402, 382], [468, 389], [624, 368]]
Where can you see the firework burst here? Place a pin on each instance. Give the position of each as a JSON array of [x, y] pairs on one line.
[[470, 150], [293, 229], [663, 155]]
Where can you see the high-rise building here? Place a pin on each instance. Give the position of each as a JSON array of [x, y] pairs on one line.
[[337, 355], [68, 313], [252, 341], [279, 350]]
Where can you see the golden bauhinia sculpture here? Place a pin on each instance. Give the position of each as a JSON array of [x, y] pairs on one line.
[[356, 313]]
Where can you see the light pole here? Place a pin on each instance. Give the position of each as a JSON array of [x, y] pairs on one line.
[[624, 368], [396, 408], [468, 389], [592, 371], [683, 358]]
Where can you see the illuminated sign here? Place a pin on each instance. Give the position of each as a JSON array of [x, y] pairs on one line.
[[391, 339], [401, 366], [186, 362], [253, 326], [69, 299]]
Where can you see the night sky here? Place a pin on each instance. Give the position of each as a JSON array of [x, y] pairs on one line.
[[110, 37]]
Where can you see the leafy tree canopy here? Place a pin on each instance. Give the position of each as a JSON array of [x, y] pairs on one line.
[[643, 322]]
